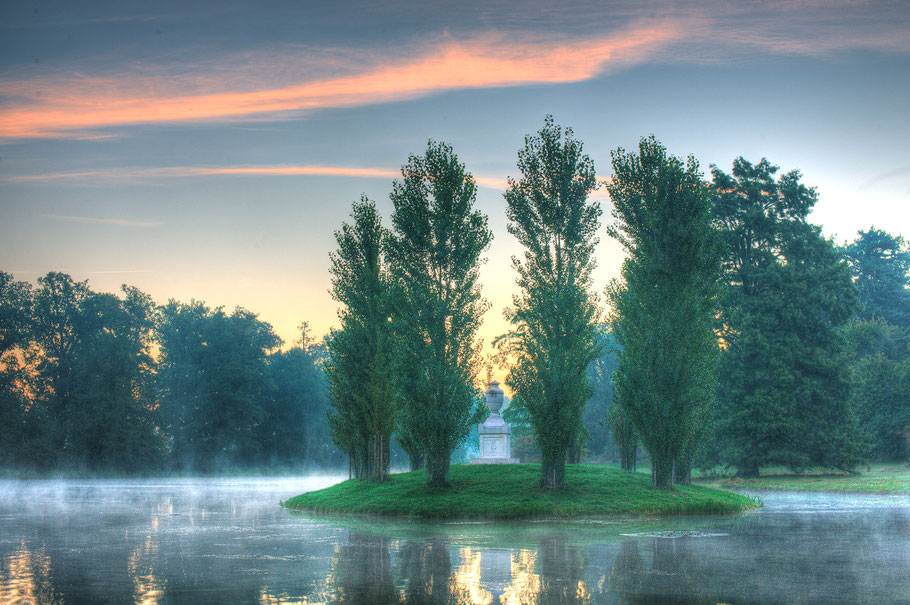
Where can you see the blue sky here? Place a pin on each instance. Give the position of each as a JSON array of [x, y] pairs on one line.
[[210, 151]]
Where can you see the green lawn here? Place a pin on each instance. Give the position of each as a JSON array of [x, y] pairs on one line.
[[512, 491], [878, 479]]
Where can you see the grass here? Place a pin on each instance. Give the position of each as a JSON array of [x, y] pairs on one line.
[[512, 492], [877, 479]]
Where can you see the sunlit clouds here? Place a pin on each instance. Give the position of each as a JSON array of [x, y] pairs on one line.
[[74, 105], [151, 173]]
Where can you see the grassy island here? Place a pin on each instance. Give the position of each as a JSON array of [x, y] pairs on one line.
[[512, 491]]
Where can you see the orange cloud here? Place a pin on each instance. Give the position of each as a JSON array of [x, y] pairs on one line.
[[195, 171], [53, 107]]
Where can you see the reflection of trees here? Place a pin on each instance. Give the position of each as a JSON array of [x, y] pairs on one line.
[[561, 570], [426, 567], [362, 571], [26, 576]]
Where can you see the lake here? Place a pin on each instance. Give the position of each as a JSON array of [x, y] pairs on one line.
[[227, 540]]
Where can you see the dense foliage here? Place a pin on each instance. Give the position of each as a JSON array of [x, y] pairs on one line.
[[360, 381], [784, 377], [554, 319], [880, 263], [434, 253], [665, 303], [813, 340], [93, 382]]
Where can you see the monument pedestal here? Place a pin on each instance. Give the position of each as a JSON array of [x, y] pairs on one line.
[[495, 433]]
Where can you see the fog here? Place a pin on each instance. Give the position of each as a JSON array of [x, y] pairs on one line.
[[227, 539]]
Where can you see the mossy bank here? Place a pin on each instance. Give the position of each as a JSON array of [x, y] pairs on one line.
[[512, 492]]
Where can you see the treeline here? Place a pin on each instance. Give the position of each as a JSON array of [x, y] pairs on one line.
[[737, 334], [93, 382]]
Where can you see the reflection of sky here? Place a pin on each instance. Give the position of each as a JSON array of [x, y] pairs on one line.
[[150, 143]]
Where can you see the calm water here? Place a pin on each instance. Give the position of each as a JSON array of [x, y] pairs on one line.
[[217, 540]]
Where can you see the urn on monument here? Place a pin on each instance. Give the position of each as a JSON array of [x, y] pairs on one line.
[[495, 433]]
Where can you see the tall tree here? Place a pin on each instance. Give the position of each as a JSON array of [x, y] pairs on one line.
[[664, 307], [784, 381], [15, 339], [215, 383], [358, 366], [555, 314], [434, 258], [880, 263]]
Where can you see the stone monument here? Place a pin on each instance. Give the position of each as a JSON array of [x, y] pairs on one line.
[[495, 433]]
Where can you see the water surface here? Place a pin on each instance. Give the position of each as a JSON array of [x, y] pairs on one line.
[[221, 540]]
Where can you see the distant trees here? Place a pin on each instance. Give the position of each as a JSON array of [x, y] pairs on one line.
[[434, 253], [358, 365], [784, 381], [664, 307], [555, 313], [880, 263], [879, 342]]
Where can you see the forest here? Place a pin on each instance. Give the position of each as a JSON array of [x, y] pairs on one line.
[[737, 337]]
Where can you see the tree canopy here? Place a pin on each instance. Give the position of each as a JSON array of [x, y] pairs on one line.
[[555, 314], [666, 301], [434, 257]]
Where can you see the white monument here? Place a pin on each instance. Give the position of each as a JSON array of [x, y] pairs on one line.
[[495, 433]]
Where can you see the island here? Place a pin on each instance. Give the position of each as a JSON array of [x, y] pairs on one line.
[[512, 491]]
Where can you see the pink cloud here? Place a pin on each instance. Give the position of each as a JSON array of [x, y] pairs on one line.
[[121, 174], [71, 106]]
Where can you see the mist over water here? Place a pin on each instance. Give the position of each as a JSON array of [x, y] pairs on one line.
[[227, 540]]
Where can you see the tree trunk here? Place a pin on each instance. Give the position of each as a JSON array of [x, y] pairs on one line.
[[627, 458], [662, 470], [552, 468], [682, 470], [437, 469], [415, 459]]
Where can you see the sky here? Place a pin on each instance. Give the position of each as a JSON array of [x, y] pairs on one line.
[[209, 150]]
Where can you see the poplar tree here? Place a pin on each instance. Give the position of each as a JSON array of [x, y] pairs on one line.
[[434, 258], [664, 305], [555, 315], [358, 366]]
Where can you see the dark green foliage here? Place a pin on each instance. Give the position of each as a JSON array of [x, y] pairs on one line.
[[524, 445], [15, 333], [664, 307], [880, 263], [784, 380], [358, 367], [880, 354], [214, 381], [85, 379], [601, 432], [624, 436], [295, 430], [555, 315], [434, 255], [512, 491]]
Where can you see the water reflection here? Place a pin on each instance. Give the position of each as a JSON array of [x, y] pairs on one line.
[[227, 541], [26, 577]]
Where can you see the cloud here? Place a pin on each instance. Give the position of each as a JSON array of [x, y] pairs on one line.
[[55, 106], [102, 221], [884, 176], [127, 174]]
